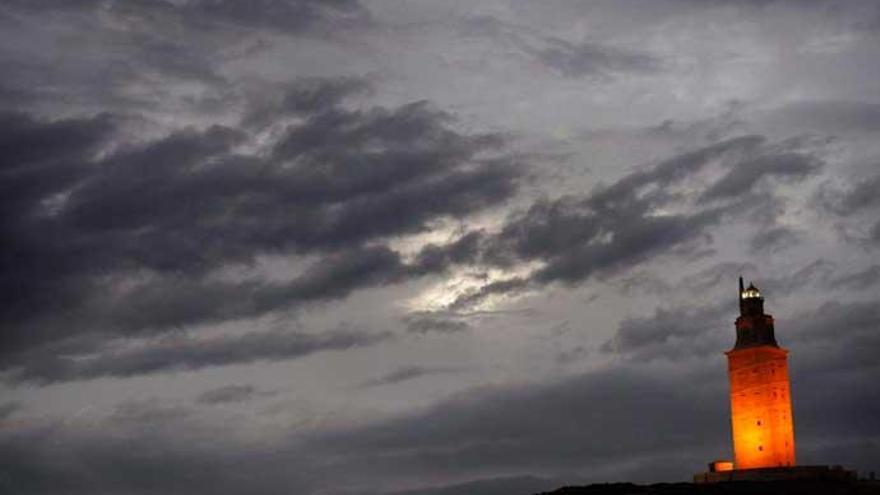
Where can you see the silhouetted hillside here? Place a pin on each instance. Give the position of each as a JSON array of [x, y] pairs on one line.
[[735, 488]]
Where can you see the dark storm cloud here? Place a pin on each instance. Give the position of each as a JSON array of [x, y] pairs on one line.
[[465, 249], [814, 273], [39, 161], [617, 227], [680, 166], [863, 194], [174, 455], [402, 374], [832, 116], [133, 58], [176, 301], [288, 16], [149, 412], [700, 326], [700, 330], [837, 337], [633, 241], [718, 275], [183, 353], [673, 333], [51, 251], [874, 234], [183, 205], [8, 409], [372, 166], [151, 56], [303, 97], [29, 146], [470, 298], [592, 59], [864, 279], [232, 394], [746, 174], [638, 423], [338, 179], [595, 421], [839, 321], [833, 350], [511, 433], [566, 58], [452, 321], [856, 205], [126, 254], [61, 5], [282, 15], [758, 3], [773, 239], [427, 322], [123, 85]]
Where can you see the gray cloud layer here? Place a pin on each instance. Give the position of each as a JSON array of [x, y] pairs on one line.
[[185, 353], [618, 226], [456, 248], [231, 394], [188, 203], [593, 423]]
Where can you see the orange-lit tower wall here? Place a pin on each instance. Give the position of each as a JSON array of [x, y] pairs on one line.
[[760, 398]]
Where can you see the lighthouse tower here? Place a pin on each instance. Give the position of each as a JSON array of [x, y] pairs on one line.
[[760, 406], [760, 395]]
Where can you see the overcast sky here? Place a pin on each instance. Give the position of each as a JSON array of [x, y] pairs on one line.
[[436, 247]]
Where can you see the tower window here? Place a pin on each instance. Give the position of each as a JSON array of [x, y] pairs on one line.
[[761, 448], [759, 422]]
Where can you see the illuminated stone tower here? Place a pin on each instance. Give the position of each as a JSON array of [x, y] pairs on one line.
[[760, 398]]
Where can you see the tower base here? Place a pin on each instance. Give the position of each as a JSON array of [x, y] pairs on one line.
[[803, 473]]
